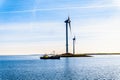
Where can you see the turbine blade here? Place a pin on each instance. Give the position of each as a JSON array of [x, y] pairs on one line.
[[70, 27], [69, 22], [75, 37]]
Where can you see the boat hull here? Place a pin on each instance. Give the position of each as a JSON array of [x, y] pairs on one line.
[[52, 57]]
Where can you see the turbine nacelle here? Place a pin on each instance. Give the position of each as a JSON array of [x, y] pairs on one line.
[[68, 21], [74, 38]]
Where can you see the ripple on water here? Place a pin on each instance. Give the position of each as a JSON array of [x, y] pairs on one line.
[[94, 68]]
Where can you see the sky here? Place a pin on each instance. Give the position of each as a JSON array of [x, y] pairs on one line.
[[37, 26]]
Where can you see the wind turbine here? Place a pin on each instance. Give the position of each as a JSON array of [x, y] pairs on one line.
[[74, 44], [68, 23]]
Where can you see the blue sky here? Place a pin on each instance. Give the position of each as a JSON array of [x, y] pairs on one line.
[[37, 26]]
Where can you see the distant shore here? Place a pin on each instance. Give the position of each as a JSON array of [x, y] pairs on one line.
[[102, 53], [74, 55], [86, 54]]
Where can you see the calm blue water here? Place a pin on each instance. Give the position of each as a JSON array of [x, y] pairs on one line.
[[32, 68]]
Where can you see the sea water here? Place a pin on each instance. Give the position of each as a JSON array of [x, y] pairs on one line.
[[82, 68]]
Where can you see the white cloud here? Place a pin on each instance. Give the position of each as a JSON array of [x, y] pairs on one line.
[[95, 36], [30, 48], [31, 38], [116, 2], [101, 36], [30, 26], [36, 32]]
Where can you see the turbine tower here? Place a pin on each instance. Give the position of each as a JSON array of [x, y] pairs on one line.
[[68, 23]]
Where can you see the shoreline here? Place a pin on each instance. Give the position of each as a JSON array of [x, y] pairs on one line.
[[70, 55], [74, 55]]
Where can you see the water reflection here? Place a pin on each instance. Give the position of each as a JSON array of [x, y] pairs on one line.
[[67, 70]]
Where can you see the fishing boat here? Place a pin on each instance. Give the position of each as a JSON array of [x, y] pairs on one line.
[[50, 57]]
